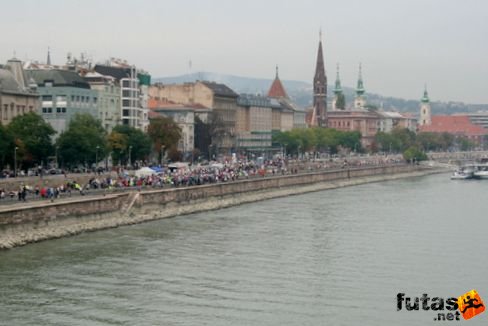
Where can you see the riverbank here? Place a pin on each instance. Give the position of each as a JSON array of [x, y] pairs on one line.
[[20, 225]]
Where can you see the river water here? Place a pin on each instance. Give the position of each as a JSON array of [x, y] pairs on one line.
[[336, 257]]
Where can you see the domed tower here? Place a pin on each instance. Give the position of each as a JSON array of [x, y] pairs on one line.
[[338, 103], [425, 112], [360, 100]]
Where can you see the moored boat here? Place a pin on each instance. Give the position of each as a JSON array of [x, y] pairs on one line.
[[460, 175]]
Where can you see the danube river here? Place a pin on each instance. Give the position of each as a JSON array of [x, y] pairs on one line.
[[336, 257]]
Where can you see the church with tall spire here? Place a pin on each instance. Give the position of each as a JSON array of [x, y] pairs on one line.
[[319, 113]]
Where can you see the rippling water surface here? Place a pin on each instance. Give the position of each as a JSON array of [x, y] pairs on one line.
[[335, 257]]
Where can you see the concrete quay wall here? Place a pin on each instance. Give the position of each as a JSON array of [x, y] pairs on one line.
[[46, 220]]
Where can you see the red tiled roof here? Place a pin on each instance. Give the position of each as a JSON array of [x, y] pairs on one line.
[[277, 89], [153, 114], [458, 124]]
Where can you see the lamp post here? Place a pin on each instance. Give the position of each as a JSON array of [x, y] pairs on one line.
[[162, 150], [130, 152], [96, 158], [57, 165], [15, 161]]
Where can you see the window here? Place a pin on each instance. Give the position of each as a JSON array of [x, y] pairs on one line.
[[125, 93], [95, 100], [47, 97], [77, 98], [61, 98], [49, 110], [58, 110], [125, 113], [44, 110], [126, 103], [63, 110], [72, 98], [125, 83]]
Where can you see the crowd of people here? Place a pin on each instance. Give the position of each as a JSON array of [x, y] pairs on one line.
[[189, 176]]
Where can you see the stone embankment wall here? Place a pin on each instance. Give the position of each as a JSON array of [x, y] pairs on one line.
[[46, 220]]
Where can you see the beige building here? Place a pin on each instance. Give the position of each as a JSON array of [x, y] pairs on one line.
[[218, 97], [108, 101], [17, 95], [255, 118]]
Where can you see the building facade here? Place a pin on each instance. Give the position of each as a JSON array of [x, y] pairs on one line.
[[18, 95], [221, 100], [63, 95], [255, 118], [184, 116], [134, 89], [109, 99], [366, 122]]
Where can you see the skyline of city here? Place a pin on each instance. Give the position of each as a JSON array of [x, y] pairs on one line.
[[418, 47]]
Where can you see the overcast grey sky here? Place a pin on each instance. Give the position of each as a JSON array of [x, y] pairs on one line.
[[401, 44]]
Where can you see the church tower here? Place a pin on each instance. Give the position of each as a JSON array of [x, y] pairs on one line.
[[277, 90], [48, 61], [319, 114], [338, 103], [425, 113], [360, 100]]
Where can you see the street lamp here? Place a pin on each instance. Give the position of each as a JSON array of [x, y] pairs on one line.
[[57, 165], [15, 161], [162, 150], [96, 158], [130, 150]]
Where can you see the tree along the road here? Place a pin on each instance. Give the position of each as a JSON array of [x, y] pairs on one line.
[[126, 138], [208, 134], [83, 142], [164, 133], [318, 139], [32, 137], [6, 147]]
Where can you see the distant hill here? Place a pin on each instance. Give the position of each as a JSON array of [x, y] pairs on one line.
[[301, 93]]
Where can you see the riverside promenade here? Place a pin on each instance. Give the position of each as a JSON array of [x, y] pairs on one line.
[[25, 223]]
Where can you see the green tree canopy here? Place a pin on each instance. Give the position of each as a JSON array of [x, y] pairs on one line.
[[341, 102], [6, 147], [124, 138], [318, 139], [83, 141], [413, 153], [32, 135], [164, 133]]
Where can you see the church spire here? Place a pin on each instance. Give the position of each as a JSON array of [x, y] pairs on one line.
[[48, 61], [338, 87], [319, 89], [360, 87], [277, 89], [425, 98]]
